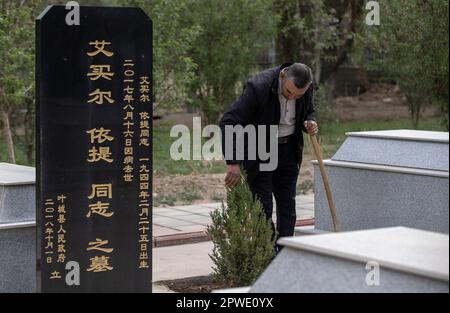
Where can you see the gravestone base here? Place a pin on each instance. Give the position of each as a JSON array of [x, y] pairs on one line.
[[18, 258], [17, 229], [387, 179], [409, 260]]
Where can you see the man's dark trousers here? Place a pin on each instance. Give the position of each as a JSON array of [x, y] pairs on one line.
[[282, 184]]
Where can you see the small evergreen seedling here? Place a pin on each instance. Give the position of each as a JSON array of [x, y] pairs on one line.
[[242, 238]]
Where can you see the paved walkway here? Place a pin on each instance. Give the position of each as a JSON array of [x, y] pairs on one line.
[[181, 261], [187, 224]]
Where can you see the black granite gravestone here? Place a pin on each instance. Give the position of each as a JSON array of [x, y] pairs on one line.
[[94, 125]]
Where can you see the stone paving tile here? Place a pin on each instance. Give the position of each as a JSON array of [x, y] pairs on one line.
[[174, 214], [175, 262], [195, 218], [164, 231], [196, 210], [192, 228], [173, 223], [211, 205], [163, 209]]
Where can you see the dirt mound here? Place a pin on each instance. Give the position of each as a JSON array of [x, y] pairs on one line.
[[380, 102], [201, 284]]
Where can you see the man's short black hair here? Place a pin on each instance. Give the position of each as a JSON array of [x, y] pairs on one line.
[[300, 74]]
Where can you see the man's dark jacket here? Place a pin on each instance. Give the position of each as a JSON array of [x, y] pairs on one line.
[[259, 105]]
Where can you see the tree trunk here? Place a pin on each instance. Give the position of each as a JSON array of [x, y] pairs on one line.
[[331, 87], [8, 136], [349, 13], [414, 103], [29, 131], [416, 116], [317, 67]]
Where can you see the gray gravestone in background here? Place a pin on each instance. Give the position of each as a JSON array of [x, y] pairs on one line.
[[387, 178], [17, 229], [17, 193], [404, 148], [409, 260]]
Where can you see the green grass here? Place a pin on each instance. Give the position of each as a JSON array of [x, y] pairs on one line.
[[216, 196], [304, 187], [161, 200], [190, 193], [163, 163], [332, 135]]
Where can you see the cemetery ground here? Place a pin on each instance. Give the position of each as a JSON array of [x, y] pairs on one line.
[[193, 277], [200, 182], [196, 182], [191, 182]]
